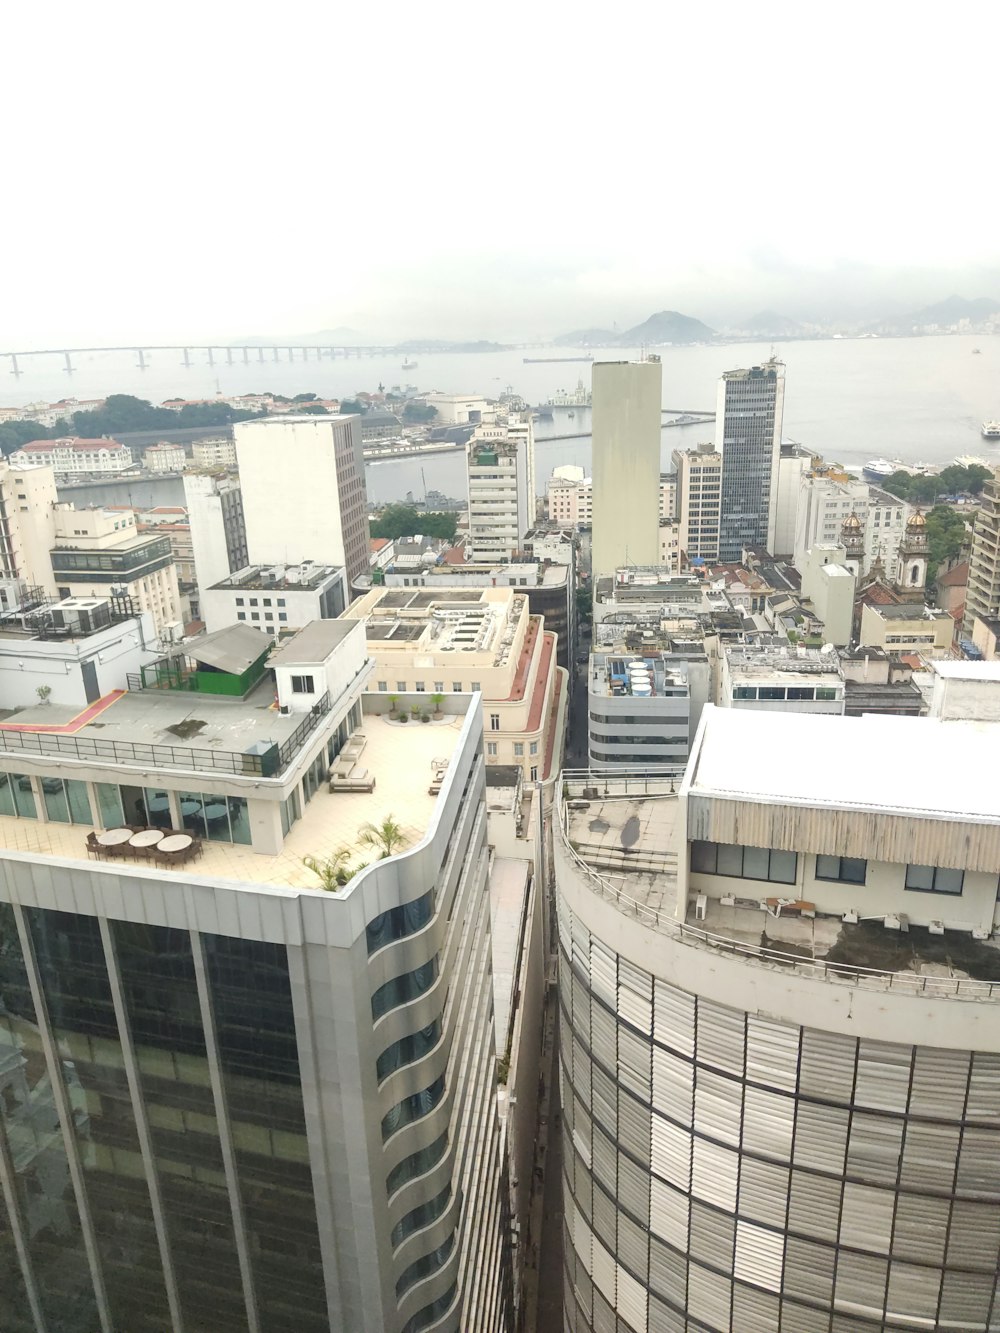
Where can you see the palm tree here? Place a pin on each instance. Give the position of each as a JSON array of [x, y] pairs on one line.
[[387, 837], [332, 870], [437, 700]]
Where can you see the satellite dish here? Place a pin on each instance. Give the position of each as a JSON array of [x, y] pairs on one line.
[[827, 648]]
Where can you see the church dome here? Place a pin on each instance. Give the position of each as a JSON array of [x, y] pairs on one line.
[[916, 521], [852, 524]]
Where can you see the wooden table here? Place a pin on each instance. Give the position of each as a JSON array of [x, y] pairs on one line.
[[114, 837], [174, 842], [148, 837]]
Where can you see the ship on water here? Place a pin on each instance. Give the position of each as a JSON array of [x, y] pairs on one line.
[[881, 469], [578, 397], [991, 430]]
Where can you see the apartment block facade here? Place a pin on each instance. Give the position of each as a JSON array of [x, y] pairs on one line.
[[748, 420]]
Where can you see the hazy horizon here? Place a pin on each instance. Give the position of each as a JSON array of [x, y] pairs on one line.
[[216, 173]]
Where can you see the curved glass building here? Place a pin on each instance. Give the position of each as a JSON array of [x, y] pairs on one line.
[[780, 1033]]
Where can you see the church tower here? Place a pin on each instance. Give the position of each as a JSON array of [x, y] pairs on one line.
[[913, 555], [852, 539]]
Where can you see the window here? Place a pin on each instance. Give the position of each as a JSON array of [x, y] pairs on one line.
[[823, 693], [439, 687], [720, 858], [411, 1108], [282, 615], [16, 796], [417, 1164], [934, 879], [456, 686], [241, 615], [253, 601], [533, 775], [240, 601], [475, 685], [383, 686], [280, 601], [491, 749], [533, 747], [302, 685], [401, 686], [420, 687], [255, 615], [494, 721], [518, 749], [845, 869], [268, 615], [266, 601]]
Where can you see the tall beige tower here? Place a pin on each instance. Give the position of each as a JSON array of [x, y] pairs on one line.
[[627, 397]]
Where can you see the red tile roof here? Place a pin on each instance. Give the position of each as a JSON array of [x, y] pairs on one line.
[[455, 555], [378, 543], [70, 442]]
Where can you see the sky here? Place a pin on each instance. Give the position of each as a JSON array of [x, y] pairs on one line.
[[505, 170]]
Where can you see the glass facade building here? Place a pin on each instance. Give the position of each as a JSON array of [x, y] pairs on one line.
[[243, 1108], [748, 436]]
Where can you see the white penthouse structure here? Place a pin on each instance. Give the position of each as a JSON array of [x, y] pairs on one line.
[[780, 1046], [237, 1093]]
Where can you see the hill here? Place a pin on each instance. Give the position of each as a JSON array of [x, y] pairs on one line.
[[953, 309], [668, 326], [587, 338], [767, 324]]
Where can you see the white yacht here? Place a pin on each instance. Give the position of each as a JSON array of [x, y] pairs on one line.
[[991, 430]]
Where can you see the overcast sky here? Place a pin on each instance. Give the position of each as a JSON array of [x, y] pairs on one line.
[[211, 169]]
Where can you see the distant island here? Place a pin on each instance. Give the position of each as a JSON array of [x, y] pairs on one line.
[[667, 326]]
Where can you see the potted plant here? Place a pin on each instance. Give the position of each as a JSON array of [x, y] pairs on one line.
[[386, 837], [425, 717], [43, 692], [414, 711], [393, 701], [437, 700]]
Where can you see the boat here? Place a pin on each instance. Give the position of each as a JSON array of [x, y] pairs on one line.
[[991, 430], [974, 460], [880, 469], [409, 365]]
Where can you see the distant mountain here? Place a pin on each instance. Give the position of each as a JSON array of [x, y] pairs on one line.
[[667, 326], [952, 310], [587, 338], [766, 324]]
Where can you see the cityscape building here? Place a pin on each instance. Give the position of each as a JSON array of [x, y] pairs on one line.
[[699, 499], [794, 462], [436, 641], [639, 709], [748, 436], [907, 628], [777, 677], [101, 551], [214, 453], [500, 463], [28, 502], [303, 484], [164, 457], [275, 598], [982, 600], [229, 1099], [779, 1048], [626, 462], [214, 503], [71, 456]]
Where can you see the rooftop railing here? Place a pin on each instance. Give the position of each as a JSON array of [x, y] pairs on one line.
[[267, 763], [588, 784]]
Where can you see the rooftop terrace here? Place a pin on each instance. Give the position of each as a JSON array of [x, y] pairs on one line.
[[398, 757], [625, 835]]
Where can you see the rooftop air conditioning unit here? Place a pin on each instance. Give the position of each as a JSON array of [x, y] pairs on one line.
[[896, 921], [851, 918], [936, 928]]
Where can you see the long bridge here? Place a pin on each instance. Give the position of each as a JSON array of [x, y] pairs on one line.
[[214, 353]]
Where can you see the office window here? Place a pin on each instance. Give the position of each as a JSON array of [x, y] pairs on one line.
[[280, 601], [420, 687], [720, 858], [383, 686], [494, 721], [255, 615], [268, 615], [439, 687], [845, 869], [266, 601], [823, 693], [302, 685], [253, 601], [240, 601], [475, 685], [491, 749], [282, 615], [934, 879], [241, 615], [456, 686], [401, 686]]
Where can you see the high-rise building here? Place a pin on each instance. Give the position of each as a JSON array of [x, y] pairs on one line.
[[779, 1047], [982, 598], [794, 462], [501, 474], [304, 497], [27, 525], [236, 1094], [748, 435], [218, 529], [626, 463], [828, 496], [699, 478]]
